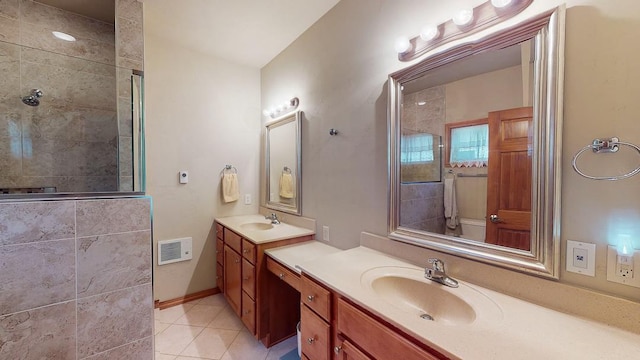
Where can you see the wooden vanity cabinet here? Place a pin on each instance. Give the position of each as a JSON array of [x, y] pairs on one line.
[[268, 308], [332, 327]]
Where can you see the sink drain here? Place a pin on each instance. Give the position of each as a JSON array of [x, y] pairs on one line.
[[427, 317]]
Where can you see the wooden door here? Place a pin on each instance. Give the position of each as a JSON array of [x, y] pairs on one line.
[[509, 178], [232, 278]]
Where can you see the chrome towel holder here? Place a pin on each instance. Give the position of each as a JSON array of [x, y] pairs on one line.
[[609, 145], [228, 168]]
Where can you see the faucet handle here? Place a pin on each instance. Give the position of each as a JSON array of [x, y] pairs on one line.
[[438, 264]]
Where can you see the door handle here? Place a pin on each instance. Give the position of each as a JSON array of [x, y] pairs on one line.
[[495, 219]]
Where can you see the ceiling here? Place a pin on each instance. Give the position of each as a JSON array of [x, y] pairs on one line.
[[248, 32]]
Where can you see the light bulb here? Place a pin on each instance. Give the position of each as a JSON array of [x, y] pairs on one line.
[[63, 36], [501, 3], [266, 112], [463, 17], [429, 32], [402, 45]]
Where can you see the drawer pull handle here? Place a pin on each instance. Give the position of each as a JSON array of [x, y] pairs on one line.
[[245, 251], [311, 340], [246, 278], [310, 298], [337, 349], [247, 312], [237, 261], [281, 276]]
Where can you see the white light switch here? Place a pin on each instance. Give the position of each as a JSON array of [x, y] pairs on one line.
[[581, 257]]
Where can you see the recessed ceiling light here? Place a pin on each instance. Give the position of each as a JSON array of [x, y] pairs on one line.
[[63, 36], [422, 103]]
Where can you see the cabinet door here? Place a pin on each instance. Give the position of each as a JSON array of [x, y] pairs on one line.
[[347, 351], [249, 278], [220, 277], [315, 335], [232, 278], [219, 251], [248, 313]]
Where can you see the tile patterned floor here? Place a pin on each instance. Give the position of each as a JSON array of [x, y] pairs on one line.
[[208, 329]]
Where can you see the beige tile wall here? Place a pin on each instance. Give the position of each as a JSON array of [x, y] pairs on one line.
[[76, 279]]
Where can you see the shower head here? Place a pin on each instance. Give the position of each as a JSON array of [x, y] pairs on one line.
[[33, 99]]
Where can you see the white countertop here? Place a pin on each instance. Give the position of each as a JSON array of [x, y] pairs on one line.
[[292, 255], [278, 232], [524, 331]]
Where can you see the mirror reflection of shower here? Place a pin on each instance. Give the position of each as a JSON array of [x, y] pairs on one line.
[[34, 98]]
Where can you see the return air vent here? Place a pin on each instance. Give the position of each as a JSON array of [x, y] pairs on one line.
[[170, 251]]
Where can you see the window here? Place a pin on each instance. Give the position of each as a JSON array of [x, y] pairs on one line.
[[416, 149], [467, 144]]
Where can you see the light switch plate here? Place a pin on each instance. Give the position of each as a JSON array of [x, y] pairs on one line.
[[612, 274], [581, 257]]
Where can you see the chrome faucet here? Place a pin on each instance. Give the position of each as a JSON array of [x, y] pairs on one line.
[[436, 273], [274, 218]]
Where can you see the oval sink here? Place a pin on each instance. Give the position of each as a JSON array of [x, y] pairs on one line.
[[257, 226], [406, 289]]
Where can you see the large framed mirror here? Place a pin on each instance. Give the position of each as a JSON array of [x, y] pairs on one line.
[[283, 164], [497, 104]]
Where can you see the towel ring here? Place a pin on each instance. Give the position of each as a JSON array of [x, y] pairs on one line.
[[611, 145], [229, 168], [286, 170]]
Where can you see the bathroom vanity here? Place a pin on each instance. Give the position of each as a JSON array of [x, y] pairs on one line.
[[267, 306], [352, 299]]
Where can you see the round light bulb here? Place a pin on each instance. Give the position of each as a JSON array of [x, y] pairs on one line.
[[463, 17], [429, 32], [501, 3], [402, 45]]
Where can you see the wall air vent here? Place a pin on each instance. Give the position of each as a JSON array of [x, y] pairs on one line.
[[174, 250]]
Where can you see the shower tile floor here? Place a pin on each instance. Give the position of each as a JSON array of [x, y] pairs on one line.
[[208, 329]]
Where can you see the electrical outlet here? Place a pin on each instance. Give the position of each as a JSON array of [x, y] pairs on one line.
[[247, 199], [325, 233], [620, 269], [624, 266]]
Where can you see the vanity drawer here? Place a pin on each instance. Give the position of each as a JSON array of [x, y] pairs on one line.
[[249, 313], [248, 278], [365, 331], [249, 250], [315, 335], [286, 275], [233, 240], [219, 252], [219, 232], [220, 277], [315, 297]]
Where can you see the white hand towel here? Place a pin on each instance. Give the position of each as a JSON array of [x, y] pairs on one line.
[[230, 189], [450, 205], [286, 186]]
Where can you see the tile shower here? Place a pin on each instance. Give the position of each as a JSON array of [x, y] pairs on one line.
[[80, 137], [75, 273]]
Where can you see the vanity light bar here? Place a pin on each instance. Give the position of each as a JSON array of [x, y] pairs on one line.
[[284, 108], [463, 23]]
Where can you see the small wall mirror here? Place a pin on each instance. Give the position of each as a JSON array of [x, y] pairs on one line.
[[282, 164], [497, 103]]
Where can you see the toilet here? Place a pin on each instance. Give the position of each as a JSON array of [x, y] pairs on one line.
[[473, 229]]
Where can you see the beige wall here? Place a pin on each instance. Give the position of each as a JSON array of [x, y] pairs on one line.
[[201, 114], [339, 69]]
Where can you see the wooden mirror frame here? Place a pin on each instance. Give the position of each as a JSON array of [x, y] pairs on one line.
[[543, 259]]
